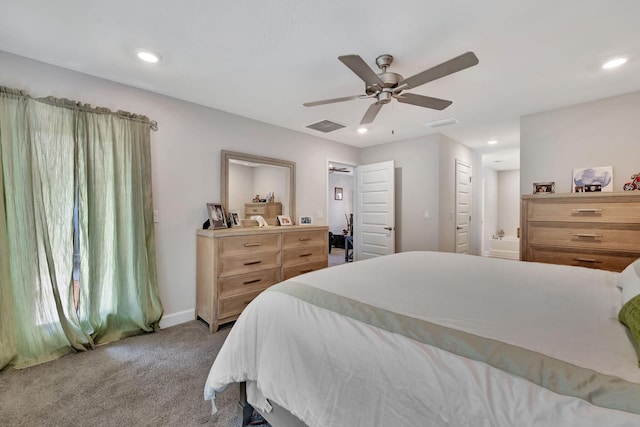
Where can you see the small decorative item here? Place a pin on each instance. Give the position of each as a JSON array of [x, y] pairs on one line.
[[634, 184], [284, 220], [234, 219], [256, 199], [337, 193], [217, 217], [544, 187], [305, 220], [592, 179]]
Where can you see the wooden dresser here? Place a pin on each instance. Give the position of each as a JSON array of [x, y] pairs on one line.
[[235, 265], [597, 230]]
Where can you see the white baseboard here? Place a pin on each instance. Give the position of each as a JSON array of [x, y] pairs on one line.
[[177, 318]]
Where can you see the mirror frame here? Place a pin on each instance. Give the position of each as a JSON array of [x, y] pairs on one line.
[[226, 155]]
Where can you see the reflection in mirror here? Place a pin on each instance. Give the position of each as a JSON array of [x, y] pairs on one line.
[[246, 178]]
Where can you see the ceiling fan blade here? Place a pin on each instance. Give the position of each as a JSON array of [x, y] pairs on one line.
[[424, 101], [451, 66], [371, 113], [358, 66], [330, 101]]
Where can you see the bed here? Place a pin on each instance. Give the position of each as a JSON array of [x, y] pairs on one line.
[[439, 339]]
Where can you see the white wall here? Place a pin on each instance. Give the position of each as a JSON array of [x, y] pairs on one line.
[[508, 202], [186, 162], [425, 182], [605, 132]]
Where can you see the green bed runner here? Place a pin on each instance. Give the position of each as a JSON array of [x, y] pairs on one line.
[[606, 391]]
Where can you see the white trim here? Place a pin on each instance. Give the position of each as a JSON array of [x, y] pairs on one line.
[[177, 318]]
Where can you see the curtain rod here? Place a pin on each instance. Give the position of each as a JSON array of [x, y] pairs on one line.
[[67, 103]]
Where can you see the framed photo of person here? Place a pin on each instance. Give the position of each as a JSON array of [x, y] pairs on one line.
[[234, 219], [284, 220], [217, 218]]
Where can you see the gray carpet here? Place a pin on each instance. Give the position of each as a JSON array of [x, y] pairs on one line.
[[153, 379]]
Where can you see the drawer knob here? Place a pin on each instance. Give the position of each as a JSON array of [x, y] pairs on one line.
[[591, 260], [309, 254], [248, 282], [593, 236], [252, 262], [304, 239], [248, 245], [306, 271], [586, 210]]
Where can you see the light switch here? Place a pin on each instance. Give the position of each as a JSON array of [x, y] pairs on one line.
[[426, 214], [155, 216], [320, 215]]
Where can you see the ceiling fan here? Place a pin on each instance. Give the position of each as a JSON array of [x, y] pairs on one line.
[[387, 85], [335, 169]]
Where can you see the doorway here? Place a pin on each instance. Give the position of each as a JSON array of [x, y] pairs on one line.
[[341, 187]]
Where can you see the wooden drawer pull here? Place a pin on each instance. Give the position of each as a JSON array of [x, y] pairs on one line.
[[252, 262], [594, 261], [303, 255], [248, 282], [247, 302], [594, 236], [306, 271], [248, 245], [304, 239], [586, 210]]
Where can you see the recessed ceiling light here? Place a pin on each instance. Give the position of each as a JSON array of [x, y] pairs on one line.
[[492, 142], [614, 63], [148, 56], [362, 130]]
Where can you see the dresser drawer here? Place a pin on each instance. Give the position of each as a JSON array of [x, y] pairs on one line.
[[585, 211], [305, 238], [233, 306], [255, 210], [301, 255], [242, 264], [295, 270], [624, 237], [242, 245], [583, 258], [260, 280]]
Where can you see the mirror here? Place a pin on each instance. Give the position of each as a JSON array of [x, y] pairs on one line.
[[245, 176]]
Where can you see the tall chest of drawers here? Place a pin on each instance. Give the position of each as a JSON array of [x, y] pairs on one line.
[[596, 230], [235, 265]]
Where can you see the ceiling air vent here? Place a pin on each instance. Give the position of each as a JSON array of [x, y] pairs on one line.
[[442, 122], [326, 126]]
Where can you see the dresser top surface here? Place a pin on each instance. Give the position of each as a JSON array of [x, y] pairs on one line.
[[629, 195], [244, 231]]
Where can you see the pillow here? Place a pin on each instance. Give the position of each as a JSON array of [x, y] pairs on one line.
[[630, 316], [629, 281]]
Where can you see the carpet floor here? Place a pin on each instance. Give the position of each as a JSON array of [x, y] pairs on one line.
[[154, 379]]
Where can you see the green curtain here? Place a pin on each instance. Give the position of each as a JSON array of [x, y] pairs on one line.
[[50, 151]]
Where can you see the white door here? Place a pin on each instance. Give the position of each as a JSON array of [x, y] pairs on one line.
[[463, 206], [374, 228]]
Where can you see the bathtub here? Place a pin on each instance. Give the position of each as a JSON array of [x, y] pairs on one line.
[[507, 247]]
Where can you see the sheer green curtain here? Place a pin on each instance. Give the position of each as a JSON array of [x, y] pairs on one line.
[[116, 227], [50, 151]]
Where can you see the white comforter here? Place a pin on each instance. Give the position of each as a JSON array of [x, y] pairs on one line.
[[332, 370]]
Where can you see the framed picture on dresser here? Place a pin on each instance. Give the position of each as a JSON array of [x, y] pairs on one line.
[[217, 218]]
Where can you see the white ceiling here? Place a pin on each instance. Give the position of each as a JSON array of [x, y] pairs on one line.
[[263, 59]]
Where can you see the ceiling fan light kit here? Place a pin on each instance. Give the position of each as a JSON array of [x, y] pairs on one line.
[[385, 86]]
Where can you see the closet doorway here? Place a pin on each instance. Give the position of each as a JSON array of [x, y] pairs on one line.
[[341, 188]]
